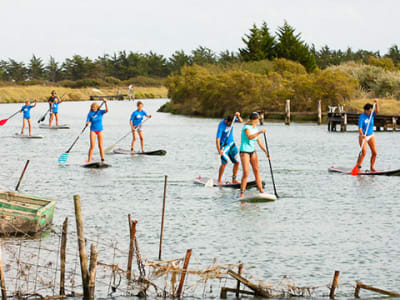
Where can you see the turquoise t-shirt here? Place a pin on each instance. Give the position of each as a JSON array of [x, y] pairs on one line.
[[248, 145]]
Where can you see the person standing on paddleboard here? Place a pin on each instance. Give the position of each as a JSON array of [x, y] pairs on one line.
[[26, 110], [95, 119], [135, 122], [51, 101], [366, 130], [226, 146], [248, 155], [54, 110]]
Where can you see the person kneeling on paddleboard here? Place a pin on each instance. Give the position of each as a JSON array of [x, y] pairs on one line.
[[366, 129], [226, 146], [95, 119], [136, 121], [26, 110], [248, 154]]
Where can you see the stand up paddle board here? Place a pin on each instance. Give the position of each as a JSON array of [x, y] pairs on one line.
[[17, 135], [348, 171], [203, 180], [46, 126], [96, 165], [256, 197], [128, 152]]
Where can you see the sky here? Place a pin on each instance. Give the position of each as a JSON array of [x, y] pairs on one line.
[[96, 27]]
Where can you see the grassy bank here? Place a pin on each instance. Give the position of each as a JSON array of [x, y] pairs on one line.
[[386, 106], [13, 94]]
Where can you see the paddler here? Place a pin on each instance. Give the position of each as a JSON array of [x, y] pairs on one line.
[[136, 122], [51, 101], [226, 146], [366, 130], [54, 110], [26, 110], [95, 119], [248, 155]]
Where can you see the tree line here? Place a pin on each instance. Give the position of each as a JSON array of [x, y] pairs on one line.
[[259, 44]]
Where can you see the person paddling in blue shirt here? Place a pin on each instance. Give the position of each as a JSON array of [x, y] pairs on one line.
[[366, 130], [95, 119], [226, 146], [135, 122], [26, 110], [54, 110], [248, 155]]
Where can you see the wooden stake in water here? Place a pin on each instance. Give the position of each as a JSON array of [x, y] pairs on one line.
[[183, 275], [238, 283], [2, 279], [162, 217], [132, 235], [63, 256], [22, 175], [92, 271], [334, 284]]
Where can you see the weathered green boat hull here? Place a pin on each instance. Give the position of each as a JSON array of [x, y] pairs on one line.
[[23, 214]]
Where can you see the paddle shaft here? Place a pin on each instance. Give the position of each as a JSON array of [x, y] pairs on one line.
[[270, 165], [366, 130], [45, 114], [5, 120]]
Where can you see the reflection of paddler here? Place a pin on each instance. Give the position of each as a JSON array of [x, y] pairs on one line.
[[95, 119], [226, 146], [366, 130]]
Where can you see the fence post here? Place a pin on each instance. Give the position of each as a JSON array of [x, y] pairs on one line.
[[132, 235], [287, 112], [162, 217], [63, 256], [2, 279], [183, 275], [92, 271], [334, 284], [319, 112]]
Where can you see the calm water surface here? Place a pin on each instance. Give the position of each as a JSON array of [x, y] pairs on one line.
[[322, 222]]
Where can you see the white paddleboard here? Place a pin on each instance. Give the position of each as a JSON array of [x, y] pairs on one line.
[[62, 126], [254, 197], [17, 135]]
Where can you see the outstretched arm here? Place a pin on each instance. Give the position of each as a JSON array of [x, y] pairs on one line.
[[376, 106], [105, 103]]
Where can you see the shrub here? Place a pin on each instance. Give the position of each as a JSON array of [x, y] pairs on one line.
[[144, 81]]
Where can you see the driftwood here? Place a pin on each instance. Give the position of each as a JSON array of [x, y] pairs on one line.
[[361, 285], [257, 290]]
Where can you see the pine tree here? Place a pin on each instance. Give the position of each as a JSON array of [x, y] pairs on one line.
[[260, 44], [36, 68], [53, 71], [177, 60]]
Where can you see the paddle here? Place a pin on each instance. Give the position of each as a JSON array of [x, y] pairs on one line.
[[355, 170], [210, 182], [270, 165], [45, 115], [4, 121]]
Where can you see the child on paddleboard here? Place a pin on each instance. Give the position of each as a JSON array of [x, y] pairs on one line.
[[54, 110], [248, 155], [95, 119], [136, 121], [26, 110], [366, 130]]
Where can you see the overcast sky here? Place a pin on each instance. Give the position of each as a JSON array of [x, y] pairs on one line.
[[94, 27]]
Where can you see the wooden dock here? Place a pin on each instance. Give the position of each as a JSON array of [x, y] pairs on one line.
[[112, 97], [343, 119]]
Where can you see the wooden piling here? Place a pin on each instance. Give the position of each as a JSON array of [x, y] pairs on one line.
[[319, 112], [287, 112], [63, 256], [82, 247], [132, 235], [183, 275], [361, 285], [238, 283], [394, 123], [334, 284], [257, 290], [92, 271], [2, 279], [262, 114], [22, 175], [162, 217]]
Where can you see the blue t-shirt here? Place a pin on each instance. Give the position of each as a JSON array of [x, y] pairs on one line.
[[55, 107], [248, 145], [96, 124], [222, 132], [26, 109], [137, 117], [363, 122]]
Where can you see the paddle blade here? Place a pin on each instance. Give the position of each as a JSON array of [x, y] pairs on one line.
[[355, 171], [109, 149], [62, 159], [209, 183], [42, 119], [2, 122]]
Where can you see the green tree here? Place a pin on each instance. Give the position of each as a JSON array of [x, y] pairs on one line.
[[36, 69], [290, 46], [79, 67], [53, 70], [227, 57], [16, 70], [394, 54], [260, 44], [177, 60], [203, 55]]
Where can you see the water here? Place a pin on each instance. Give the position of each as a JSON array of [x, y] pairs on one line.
[[322, 222]]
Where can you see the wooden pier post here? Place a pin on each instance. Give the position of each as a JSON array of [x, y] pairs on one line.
[[183, 275], [132, 235], [2, 279], [343, 124], [63, 256], [394, 123], [162, 217], [319, 112], [82, 247], [287, 112], [22, 175], [262, 113], [92, 271], [334, 284], [238, 283]]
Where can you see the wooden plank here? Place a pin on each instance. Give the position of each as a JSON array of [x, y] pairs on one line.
[[257, 290], [361, 285]]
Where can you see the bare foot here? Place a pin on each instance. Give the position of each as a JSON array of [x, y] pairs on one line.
[[241, 195], [235, 181], [220, 182], [373, 170]]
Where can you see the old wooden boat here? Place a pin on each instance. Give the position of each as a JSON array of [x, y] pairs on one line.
[[23, 214]]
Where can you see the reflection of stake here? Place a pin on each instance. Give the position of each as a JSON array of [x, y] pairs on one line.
[[162, 217], [22, 175]]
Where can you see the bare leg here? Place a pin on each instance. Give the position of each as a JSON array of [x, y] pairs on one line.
[[30, 127], [235, 171], [363, 152], [374, 152], [51, 119], [23, 126], [56, 119], [256, 171], [92, 143], [100, 139], [141, 140], [245, 159], [133, 140], [221, 172]]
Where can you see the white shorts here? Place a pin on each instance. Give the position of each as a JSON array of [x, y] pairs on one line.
[[138, 128]]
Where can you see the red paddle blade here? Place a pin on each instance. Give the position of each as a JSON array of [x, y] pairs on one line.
[[2, 122], [355, 171]]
